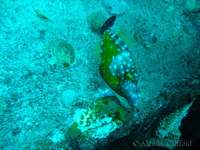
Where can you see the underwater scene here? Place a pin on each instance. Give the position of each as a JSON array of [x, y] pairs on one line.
[[99, 74]]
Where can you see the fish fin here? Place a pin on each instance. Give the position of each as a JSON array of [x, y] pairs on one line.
[[126, 37], [96, 50]]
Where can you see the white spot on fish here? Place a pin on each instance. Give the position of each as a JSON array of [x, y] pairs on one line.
[[117, 41], [119, 57], [112, 35]]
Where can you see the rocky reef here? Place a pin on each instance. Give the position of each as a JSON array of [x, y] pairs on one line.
[[142, 91]]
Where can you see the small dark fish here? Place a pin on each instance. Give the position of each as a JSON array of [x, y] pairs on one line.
[[107, 24]]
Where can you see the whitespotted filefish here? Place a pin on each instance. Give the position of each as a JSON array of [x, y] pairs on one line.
[[117, 67]]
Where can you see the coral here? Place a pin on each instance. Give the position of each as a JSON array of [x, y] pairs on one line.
[[96, 21], [97, 125], [64, 52], [106, 116], [168, 127], [73, 132], [116, 7], [117, 67]]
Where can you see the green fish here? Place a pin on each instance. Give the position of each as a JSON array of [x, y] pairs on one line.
[[117, 67]]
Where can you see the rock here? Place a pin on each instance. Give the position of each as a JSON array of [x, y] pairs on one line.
[[68, 97], [115, 7], [96, 20], [145, 37]]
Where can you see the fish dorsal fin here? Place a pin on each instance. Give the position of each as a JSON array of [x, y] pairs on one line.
[[126, 37]]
